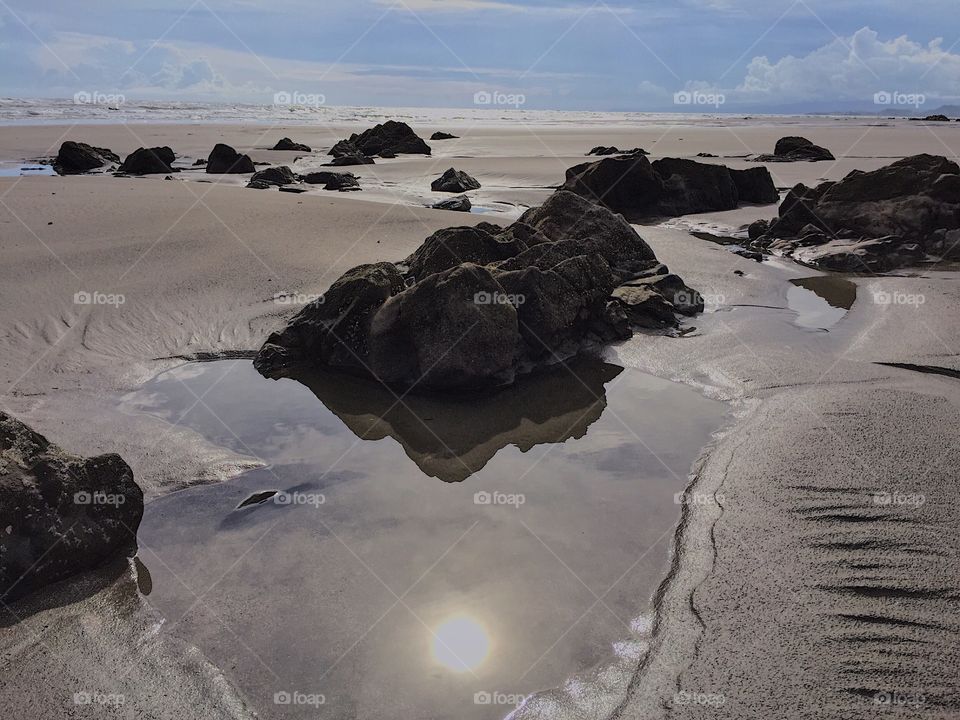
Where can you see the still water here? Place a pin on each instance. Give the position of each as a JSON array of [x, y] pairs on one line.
[[415, 557]]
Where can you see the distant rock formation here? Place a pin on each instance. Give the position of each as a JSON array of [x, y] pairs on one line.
[[796, 149], [391, 137], [474, 306], [225, 160], [76, 157], [288, 144], [601, 150], [443, 136], [454, 181], [59, 514], [870, 221]]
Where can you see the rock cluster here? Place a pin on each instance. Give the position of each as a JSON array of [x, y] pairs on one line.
[[601, 150], [342, 182], [75, 158], [473, 307], [59, 514], [796, 149], [638, 188], [870, 221], [389, 139]]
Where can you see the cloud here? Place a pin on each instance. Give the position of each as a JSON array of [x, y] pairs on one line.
[[534, 7]]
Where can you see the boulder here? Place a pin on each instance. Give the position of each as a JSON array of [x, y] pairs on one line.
[[392, 136], [755, 186], [225, 160], [60, 514], [692, 187], [443, 136], [796, 149], [149, 161], [288, 144], [280, 175], [625, 185], [452, 246], [461, 203], [260, 185], [454, 181], [342, 182], [75, 158]]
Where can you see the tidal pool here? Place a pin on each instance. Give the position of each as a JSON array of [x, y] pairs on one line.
[[822, 301], [403, 556]]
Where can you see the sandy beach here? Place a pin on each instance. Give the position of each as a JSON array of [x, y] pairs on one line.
[[793, 592]]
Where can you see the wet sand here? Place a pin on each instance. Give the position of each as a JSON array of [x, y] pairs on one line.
[[799, 595]]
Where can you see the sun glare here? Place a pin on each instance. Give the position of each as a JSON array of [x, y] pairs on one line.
[[460, 644]]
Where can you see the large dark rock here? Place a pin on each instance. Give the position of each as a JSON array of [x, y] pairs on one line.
[[393, 137], [346, 160], [59, 514], [74, 158], [637, 188], [288, 144], [796, 149], [911, 205], [454, 181], [149, 161], [280, 175], [342, 182], [224, 159], [474, 306]]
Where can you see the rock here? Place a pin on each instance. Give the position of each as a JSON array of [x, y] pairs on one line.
[[755, 186], [342, 182], [280, 175], [567, 216], [452, 246], [639, 189], [443, 136], [757, 229], [59, 514], [199, 161], [387, 154], [474, 306], [794, 149], [706, 155], [260, 185], [454, 181], [288, 144], [296, 189], [933, 118], [345, 160], [75, 158], [392, 136], [225, 160], [149, 161], [461, 203], [601, 150], [910, 204], [645, 307]]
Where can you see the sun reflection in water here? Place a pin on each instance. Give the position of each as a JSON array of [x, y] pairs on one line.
[[460, 643]]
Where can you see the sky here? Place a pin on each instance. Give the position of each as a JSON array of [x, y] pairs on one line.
[[607, 55]]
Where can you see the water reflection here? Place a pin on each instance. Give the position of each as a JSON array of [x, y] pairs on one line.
[[822, 301], [460, 644], [453, 438]]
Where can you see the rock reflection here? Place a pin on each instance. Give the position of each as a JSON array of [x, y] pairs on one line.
[[453, 438]]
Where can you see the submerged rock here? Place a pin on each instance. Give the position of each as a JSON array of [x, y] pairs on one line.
[[288, 144], [454, 181], [637, 188], [59, 514], [875, 221], [474, 306], [75, 158], [393, 137], [149, 161], [225, 160]]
